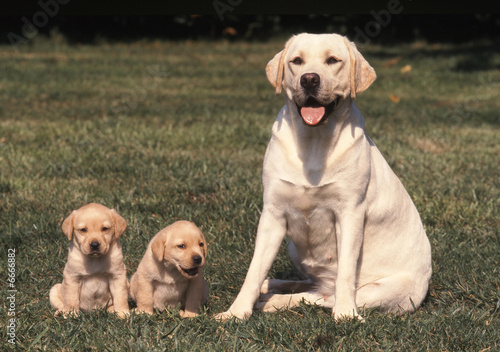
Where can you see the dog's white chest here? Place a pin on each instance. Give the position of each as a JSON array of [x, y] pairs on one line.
[[298, 199], [310, 224], [169, 294], [94, 292]]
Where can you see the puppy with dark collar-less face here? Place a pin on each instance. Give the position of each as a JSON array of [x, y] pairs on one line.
[[171, 271], [354, 231], [95, 275]]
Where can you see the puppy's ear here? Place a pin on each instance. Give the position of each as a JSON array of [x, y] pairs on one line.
[[67, 225], [276, 67], [120, 224], [205, 247], [362, 74], [158, 247]]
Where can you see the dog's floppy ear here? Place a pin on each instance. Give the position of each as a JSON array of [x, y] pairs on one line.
[[362, 74], [67, 225], [205, 247], [276, 67], [158, 247], [120, 224]]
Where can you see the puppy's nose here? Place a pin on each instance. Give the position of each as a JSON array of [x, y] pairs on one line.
[[309, 81], [197, 259], [94, 245]]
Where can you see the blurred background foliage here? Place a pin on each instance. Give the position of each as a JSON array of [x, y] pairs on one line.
[[396, 28]]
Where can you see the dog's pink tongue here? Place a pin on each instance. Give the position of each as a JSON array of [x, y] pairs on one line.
[[312, 116]]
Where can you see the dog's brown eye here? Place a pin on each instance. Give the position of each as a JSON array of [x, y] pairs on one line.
[[201, 244], [297, 61], [332, 60], [83, 230], [104, 229], [182, 246]]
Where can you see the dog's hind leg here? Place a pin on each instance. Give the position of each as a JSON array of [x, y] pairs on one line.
[[290, 286], [274, 302], [55, 297], [393, 294]]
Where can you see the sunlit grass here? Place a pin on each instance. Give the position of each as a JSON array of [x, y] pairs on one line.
[[163, 131]]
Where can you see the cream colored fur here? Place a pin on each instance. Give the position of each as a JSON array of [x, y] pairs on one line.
[[354, 231], [171, 271], [95, 275]]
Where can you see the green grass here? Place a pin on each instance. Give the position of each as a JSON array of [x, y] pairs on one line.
[[163, 131]]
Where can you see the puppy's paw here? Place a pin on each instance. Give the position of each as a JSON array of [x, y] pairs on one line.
[[123, 314], [67, 313], [185, 314], [142, 311]]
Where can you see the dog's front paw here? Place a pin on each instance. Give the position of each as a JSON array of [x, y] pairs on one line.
[[185, 314], [346, 314], [142, 311], [123, 314], [67, 313], [229, 314]]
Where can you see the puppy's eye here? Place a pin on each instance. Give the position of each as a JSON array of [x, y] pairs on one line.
[[332, 60], [201, 244], [83, 230], [297, 61], [104, 229], [182, 246]]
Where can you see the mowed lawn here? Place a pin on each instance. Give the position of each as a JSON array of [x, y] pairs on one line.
[[163, 131]]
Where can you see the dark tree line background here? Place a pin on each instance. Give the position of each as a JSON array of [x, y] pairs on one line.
[[394, 28]]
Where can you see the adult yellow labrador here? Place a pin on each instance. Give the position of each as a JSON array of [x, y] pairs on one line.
[[354, 231]]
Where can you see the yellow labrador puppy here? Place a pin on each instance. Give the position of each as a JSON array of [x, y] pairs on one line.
[[94, 275], [354, 231], [171, 271]]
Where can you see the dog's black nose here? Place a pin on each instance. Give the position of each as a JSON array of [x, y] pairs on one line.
[[94, 245], [309, 81], [197, 259]]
